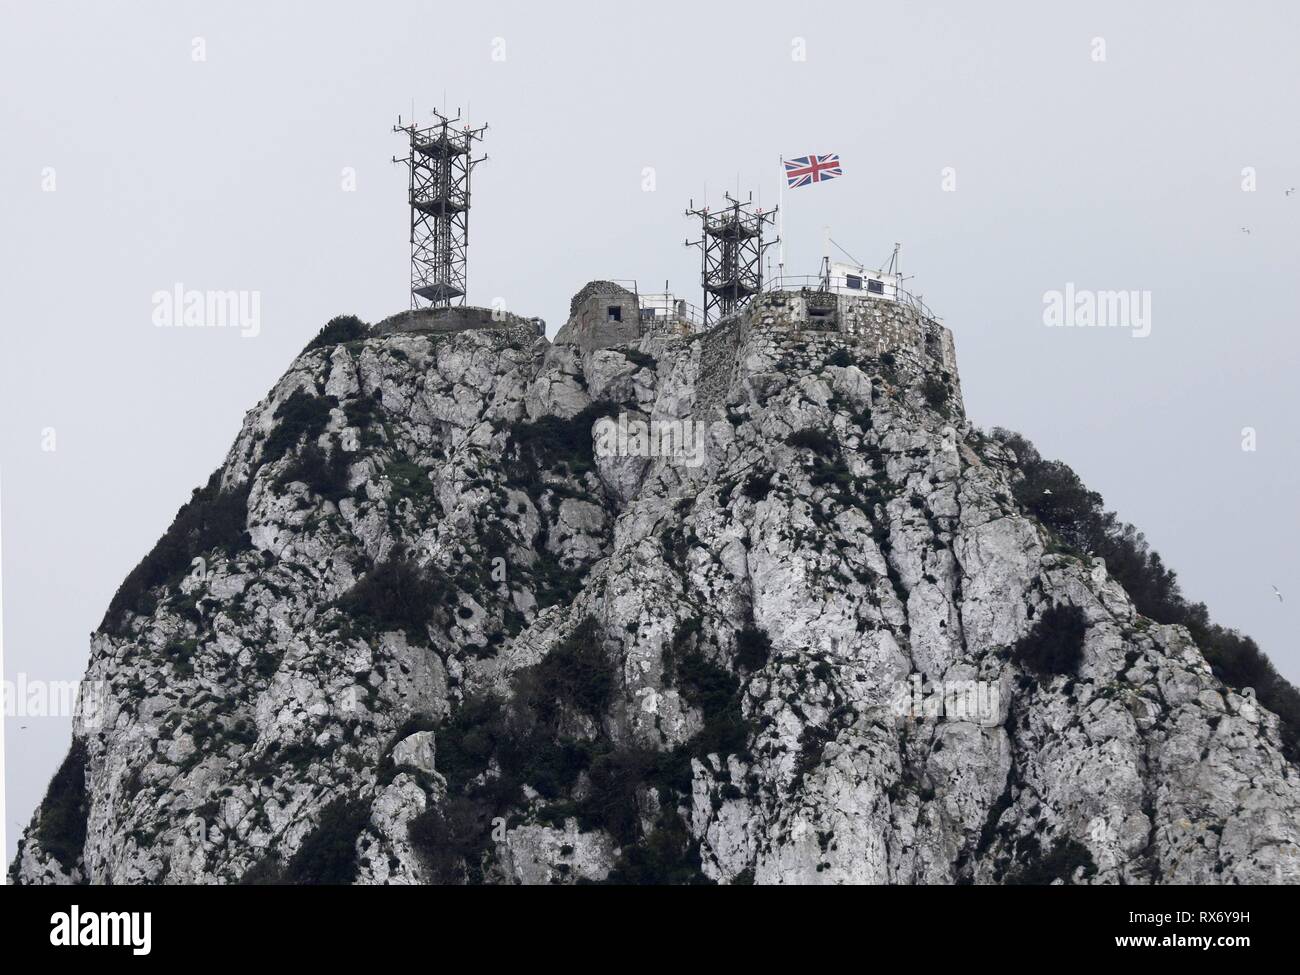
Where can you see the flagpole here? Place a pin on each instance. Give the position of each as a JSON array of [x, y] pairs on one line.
[[780, 224]]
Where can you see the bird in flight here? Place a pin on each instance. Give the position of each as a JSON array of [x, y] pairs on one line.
[[1278, 595]]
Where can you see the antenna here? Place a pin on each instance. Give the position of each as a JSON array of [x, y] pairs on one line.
[[731, 254], [894, 266], [826, 258], [846, 253], [439, 162]]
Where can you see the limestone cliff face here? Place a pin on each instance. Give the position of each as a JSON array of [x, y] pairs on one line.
[[457, 643]]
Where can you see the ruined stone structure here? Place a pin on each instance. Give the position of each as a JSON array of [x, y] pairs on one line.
[[877, 325], [605, 314], [601, 315]]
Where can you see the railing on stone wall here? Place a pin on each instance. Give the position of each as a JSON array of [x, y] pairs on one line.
[[677, 310], [815, 282], [691, 314], [680, 311]]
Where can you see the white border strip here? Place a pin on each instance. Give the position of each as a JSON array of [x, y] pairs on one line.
[[4, 808]]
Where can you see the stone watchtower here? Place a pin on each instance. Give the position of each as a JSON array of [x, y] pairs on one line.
[[877, 325], [866, 311], [602, 314], [606, 313]]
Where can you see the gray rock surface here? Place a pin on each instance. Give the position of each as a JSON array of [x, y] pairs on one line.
[[245, 700]]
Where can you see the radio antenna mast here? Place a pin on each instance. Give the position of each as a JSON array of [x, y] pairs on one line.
[[439, 162], [731, 254]]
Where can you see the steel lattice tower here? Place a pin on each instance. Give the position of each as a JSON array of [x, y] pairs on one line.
[[731, 248], [439, 162]]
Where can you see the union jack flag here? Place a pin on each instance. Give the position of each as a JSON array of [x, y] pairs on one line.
[[812, 169]]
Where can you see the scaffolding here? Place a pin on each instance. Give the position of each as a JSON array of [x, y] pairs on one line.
[[439, 163], [731, 250]]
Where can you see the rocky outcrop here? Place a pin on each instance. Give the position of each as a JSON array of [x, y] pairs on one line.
[[415, 609]]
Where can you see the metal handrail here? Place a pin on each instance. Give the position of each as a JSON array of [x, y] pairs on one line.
[[694, 315], [816, 282]]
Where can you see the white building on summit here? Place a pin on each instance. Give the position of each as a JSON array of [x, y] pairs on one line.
[[848, 278]]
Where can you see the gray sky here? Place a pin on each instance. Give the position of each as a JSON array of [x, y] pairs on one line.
[[227, 173]]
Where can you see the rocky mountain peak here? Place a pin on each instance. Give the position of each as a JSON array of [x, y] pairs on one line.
[[648, 604]]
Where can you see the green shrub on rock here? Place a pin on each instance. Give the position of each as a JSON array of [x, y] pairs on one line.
[[65, 809], [398, 594], [1055, 645], [341, 328]]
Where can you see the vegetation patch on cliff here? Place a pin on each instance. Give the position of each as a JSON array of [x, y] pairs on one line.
[[212, 519], [324, 475], [1055, 495], [553, 443], [1055, 644], [490, 748], [328, 854], [399, 594], [1061, 862], [711, 688], [301, 415], [341, 328], [65, 809], [577, 674]]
